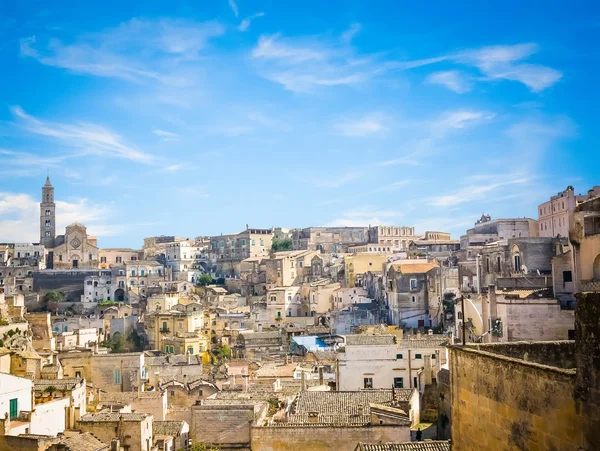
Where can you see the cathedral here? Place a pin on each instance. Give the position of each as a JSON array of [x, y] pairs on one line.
[[74, 249]]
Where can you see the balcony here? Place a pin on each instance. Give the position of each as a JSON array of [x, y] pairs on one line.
[[590, 285], [165, 330]]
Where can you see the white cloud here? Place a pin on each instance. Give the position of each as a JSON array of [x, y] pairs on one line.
[[369, 125], [480, 188], [19, 217], [505, 62], [245, 24], [349, 34], [138, 50], [364, 216], [335, 180], [234, 8], [303, 64], [87, 138], [165, 135], [451, 79], [459, 119], [399, 161]]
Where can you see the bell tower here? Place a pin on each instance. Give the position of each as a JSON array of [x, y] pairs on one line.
[[47, 216]]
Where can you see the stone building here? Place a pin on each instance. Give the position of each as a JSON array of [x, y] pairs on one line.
[[585, 239], [396, 237], [152, 402], [134, 430], [230, 250], [187, 259], [177, 331], [284, 269], [110, 257], [253, 344], [328, 239], [554, 216], [436, 244], [165, 368], [381, 361], [414, 293], [357, 265], [529, 395], [188, 393]]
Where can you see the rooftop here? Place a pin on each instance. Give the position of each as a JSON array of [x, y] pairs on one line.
[[414, 268], [109, 417], [370, 340], [172, 428], [58, 384], [82, 442], [427, 445]]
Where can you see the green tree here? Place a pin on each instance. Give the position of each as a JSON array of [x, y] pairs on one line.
[[281, 244], [50, 301], [204, 279], [224, 352], [117, 343], [135, 342]]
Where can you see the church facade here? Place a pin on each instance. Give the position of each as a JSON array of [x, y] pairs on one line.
[[75, 249]]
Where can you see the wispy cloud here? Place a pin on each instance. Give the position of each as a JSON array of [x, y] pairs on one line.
[[334, 180], [87, 138], [506, 62], [459, 119], [245, 24], [234, 8], [391, 186], [304, 64], [451, 79], [399, 161], [364, 216], [479, 188], [368, 125], [138, 51], [165, 135], [349, 34]]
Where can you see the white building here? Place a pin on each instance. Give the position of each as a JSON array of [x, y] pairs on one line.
[[97, 288], [15, 398], [382, 361], [187, 260], [555, 215], [344, 297]]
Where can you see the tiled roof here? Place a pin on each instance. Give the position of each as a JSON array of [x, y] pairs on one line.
[[259, 335], [370, 340], [414, 268], [423, 342], [342, 407], [427, 445], [275, 370], [58, 384], [82, 442], [172, 428], [108, 416]]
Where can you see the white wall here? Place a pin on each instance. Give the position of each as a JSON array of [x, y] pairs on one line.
[[12, 387], [49, 418]]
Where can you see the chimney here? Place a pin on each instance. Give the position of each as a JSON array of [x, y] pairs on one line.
[[321, 377], [115, 445]]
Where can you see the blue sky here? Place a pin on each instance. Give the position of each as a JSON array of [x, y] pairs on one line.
[[198, 117]]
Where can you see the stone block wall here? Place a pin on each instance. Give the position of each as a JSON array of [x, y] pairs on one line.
[[501, 403], [222, 425], [324, 438]]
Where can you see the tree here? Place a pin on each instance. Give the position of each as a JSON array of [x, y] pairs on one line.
[[281, 244], [117, 343], [204, 279], [50, 301], [223, 352], [135, 342], [202, 447]]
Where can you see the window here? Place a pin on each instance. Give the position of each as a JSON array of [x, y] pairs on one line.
[[262, 242], [398, 382], [78, 374], [278, 314], [118, 259], [117, 377], [418, 356], [172, 393], [47, 212], [253, 242], [243, 242], [90, 257], [498, 263], [517, 263], [14, 408], [414, 285], [47, 223], [102, 259], [567, 276], [398, 356], [368, 382], [190, 350], [415, 382], [414, 298], [433, 356], [60, 258], [487, 265]]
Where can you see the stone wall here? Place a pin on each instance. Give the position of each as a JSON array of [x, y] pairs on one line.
[[502, 403], [444, 421], [222, 425], [559, 354], [587, 355], [324, 438]]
